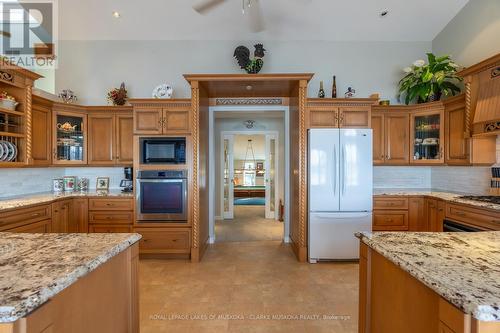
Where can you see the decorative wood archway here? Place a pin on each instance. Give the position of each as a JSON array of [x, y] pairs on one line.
[[207, 87]]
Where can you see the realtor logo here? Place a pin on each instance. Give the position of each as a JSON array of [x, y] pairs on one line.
[[28, 33]]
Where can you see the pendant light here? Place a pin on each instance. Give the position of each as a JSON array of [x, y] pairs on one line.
[[249, 150]]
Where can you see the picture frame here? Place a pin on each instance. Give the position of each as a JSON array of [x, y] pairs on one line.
[[102, 184], [260, 166]]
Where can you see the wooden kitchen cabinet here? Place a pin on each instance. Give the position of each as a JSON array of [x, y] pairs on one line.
[[124, 138], [37, 227], [69, 132], [111, 214], [390, 136], [110, 138], [459, 149], [41, 129], [101, 139], [164, 241], [162, 117], [434, 210], [61, 215], [417, 217], [427, 134], [390, 213], [80, 217], [339, 112], [24, 216]]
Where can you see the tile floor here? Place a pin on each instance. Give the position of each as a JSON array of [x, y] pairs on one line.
[[249, 224], [239, 287]]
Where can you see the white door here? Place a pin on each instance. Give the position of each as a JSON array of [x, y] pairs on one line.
[[271, 177], [324, 182], [356, 170], [228, 176]]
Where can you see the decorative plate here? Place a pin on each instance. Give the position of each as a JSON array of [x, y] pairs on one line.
[[163, 91], [3, 158], [1, 151], [12, 153]]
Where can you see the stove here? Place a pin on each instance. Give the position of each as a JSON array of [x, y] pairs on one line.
[[482, 198]]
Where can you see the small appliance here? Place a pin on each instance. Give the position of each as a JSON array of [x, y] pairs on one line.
[[163, 150], [127, 183]]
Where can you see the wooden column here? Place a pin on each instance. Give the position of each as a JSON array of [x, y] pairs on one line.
[[302, 251], [195, 102]]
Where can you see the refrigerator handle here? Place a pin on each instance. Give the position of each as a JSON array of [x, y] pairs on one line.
[[344, 168], [334, 169]]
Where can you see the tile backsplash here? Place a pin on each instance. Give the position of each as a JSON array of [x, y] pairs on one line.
[[20, 181], [401, 177], [470, 180]]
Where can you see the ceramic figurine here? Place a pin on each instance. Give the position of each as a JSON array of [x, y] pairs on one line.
[[350, 93]]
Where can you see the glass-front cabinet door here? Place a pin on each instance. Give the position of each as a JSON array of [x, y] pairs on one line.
[[70, 146], [427, 134]]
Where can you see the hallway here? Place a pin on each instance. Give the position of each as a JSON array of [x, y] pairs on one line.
[[239, 287], [249, 224]]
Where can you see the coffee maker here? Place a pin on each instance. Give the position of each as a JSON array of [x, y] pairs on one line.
[[127, 183]]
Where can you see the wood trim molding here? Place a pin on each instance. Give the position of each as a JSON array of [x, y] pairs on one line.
[[195, 105], [29, 124], [252, 77], [302, 168], [481, 66], [158, 102], [336, 102], [249, 101]]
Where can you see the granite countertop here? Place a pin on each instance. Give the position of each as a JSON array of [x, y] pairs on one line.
[[438, 194], [47, 197], [463, 268], [36, 267]]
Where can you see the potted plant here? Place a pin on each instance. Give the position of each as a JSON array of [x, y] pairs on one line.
[[429, 82], [118, 96]]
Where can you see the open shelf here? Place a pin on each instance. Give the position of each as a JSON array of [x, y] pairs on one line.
[[13, 135], [12, 112]]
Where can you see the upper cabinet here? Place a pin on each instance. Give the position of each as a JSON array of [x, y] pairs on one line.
[[41, 122], [427, 134], [69, 144], [390, 135], [16, 86], [339, 112], [110, 136], [155, 116], [460, 149]]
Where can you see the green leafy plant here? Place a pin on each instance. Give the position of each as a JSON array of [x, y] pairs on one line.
[[428, 82]]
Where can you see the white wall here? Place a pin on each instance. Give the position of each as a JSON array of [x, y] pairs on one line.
[[91, 68], [236, 124], [15, 182], [473, 35]]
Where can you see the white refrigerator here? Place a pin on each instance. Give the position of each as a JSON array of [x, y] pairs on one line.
[[340, 191]]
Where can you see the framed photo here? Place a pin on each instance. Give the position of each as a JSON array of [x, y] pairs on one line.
[[102, 184], [260, 166]]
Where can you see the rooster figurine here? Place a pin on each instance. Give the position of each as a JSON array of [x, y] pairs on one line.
[[251, 66]]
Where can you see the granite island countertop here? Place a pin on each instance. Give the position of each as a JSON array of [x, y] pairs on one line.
[[48, 197], [36, 267], [437, 194], [463, 268]]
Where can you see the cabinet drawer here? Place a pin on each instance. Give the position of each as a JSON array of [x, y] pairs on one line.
[[390, 220], [164, 241], [390, 203], [111, 204], [111, 217], [475, 217], [36, 227], [24, 216], [103, 228]]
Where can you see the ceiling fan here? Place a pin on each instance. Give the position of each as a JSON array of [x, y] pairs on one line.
[[251, 8]]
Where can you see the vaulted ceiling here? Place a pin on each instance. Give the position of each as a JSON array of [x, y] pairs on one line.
[[329, 20]]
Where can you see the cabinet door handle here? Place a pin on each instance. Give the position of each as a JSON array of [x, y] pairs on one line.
[[35, 214], [459, 213]]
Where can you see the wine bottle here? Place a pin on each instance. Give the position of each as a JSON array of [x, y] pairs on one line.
[[334, 87], [321, 92]]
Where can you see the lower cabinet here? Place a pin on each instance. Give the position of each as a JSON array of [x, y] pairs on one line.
[[164, 240], [435, 210], [111, 215], [37, 227], [390, 213], [61, 215]]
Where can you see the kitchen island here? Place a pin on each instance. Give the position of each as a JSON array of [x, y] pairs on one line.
[[429, 282], [68, 283]]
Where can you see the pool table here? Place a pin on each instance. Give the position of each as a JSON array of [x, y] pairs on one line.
[[249, 191]]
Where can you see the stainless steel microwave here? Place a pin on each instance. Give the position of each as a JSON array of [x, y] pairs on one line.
[[163, 150]]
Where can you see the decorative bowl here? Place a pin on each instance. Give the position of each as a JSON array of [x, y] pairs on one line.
[[8, 104]]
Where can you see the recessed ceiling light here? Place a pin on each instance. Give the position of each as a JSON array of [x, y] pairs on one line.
[[384, 13], [116, 14]]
